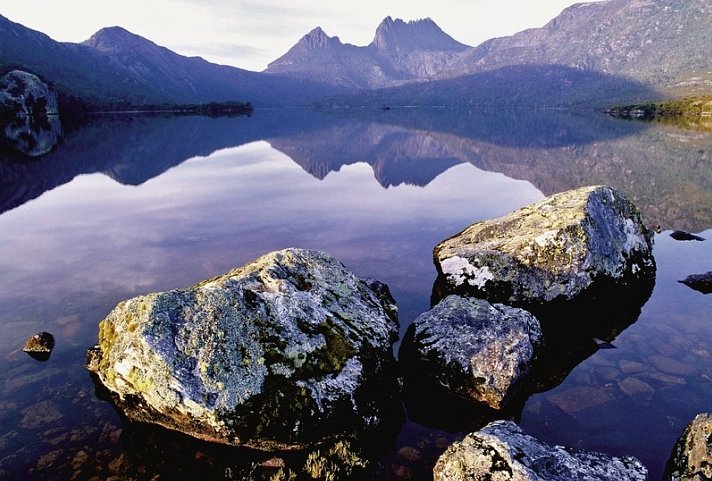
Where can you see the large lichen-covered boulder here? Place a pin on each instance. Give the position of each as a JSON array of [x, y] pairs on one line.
[[29, 111], [554, 249], [472, 348], [23, 93], [502, 452], [691, 457], [287, 351]]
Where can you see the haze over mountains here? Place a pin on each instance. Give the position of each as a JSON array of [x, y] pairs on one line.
[[592, 54]]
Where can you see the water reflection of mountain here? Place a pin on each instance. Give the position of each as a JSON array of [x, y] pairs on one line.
[[668, 172], [133, 149]]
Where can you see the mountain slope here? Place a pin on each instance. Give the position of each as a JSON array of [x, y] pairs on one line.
[[400, 52], [660, 42], [118, 67]]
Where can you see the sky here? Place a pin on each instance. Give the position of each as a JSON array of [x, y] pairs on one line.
[[251, 33]]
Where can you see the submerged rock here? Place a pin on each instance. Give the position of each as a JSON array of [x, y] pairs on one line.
[[287, 351], [699, 282], [554, 249], [39, 346], [473, 348], [681, 235], [501, 451], [691, 457]]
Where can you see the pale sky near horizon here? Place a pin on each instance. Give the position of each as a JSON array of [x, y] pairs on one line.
[[250, 34]]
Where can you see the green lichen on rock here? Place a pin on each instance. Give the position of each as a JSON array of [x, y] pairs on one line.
[[691, 457], [553, 249], [275, 354]]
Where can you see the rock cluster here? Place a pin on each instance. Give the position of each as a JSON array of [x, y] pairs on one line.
[[287, 351], [553, 249], [502, 452]]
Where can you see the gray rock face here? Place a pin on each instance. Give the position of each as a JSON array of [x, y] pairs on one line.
[[473, 348], [25, 94], [30, 109], [502, 452], [553, 249], [287, 351], [691, 458]]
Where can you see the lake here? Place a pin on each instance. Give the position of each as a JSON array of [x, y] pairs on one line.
[[131, 204]]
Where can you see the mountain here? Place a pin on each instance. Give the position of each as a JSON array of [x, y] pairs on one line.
[[663, 43], [592, 54], [118, 67], [400, 52]]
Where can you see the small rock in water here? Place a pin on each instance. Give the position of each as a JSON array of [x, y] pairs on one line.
[[39, 346], [699, 282], [501, 451], [681, 235]]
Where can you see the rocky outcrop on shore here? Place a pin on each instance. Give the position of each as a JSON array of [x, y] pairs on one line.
[[691, 458], [472, 348], [29, 110], [501, 451], [288, 351], [552, 250]]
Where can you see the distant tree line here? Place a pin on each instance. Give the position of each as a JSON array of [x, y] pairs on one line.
[[689, 106]]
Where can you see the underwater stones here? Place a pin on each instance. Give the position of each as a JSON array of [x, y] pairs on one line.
[[691, 457], [472, 348], [39, 346], [288, 351], [502, 452], [554, 249], [681, 235]]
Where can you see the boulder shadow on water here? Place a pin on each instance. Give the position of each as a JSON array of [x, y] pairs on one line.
[[570, 332]]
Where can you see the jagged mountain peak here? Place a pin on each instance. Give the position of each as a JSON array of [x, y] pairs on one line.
[[317, 39], [422, 34]]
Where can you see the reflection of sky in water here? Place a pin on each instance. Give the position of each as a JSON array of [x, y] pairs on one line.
[[68, 256], [95, 237]]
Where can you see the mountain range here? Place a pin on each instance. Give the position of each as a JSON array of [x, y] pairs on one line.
[[591, 54]]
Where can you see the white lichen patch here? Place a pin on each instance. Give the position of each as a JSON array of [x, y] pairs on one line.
[[460, 271], [547, 238], [331, 388]]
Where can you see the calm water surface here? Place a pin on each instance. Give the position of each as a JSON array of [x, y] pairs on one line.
[[130, 205]]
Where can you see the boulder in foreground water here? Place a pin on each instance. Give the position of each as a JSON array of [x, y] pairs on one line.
[[472, 348], [285, 352], [691, 458], [502, 452], [554, 249]]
